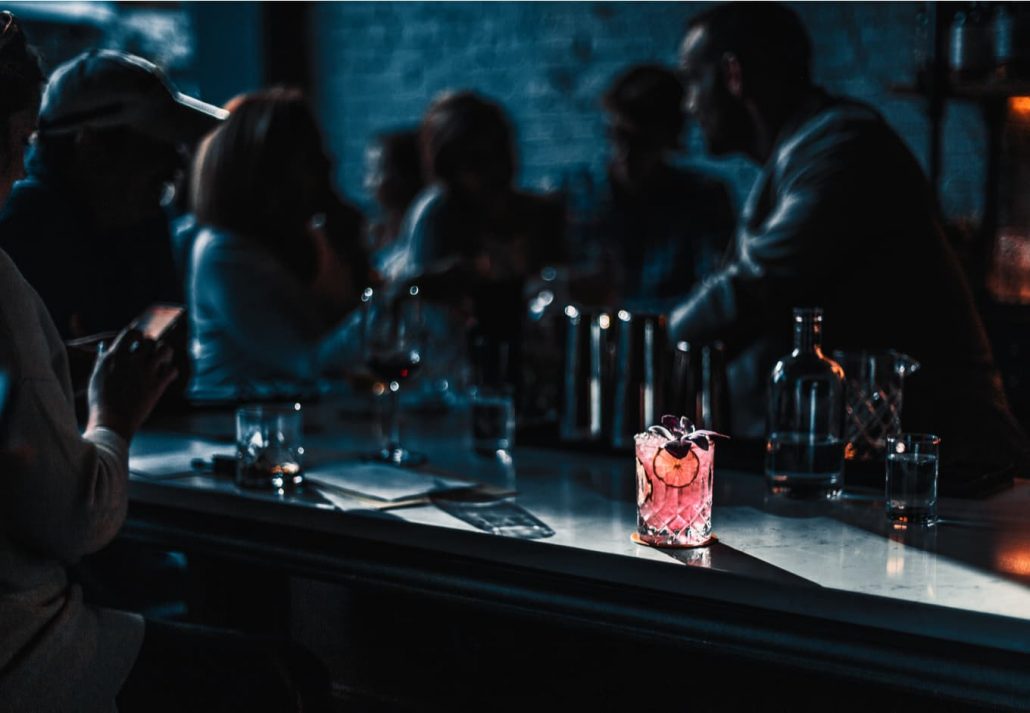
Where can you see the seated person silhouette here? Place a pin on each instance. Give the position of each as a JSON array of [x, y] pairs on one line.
[[664, 227], [278, 266], [86, 225], [841, 217], [472, 223], [393, 178]]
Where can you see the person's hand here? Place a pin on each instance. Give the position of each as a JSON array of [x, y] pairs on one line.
[[82, 357], [128, 379]]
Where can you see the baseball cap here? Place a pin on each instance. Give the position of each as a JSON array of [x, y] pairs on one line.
[[108, 88]]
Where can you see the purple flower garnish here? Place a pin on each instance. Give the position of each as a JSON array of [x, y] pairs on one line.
[[679, 425], [682, 435], [678, 449]]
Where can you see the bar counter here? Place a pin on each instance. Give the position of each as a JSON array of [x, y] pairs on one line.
[[826, 587]]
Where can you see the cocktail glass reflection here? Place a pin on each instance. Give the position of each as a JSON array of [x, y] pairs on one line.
[[674, 466]]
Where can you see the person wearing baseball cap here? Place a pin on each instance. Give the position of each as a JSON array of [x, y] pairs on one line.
[[107, 89], [86, 226]]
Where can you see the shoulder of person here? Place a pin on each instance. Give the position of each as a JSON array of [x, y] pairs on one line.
[[841, 123], [33, 209], [11, 287], [430, 203], [844, 135], [220, 249], [27, 334], [429, 213], [211, 239]]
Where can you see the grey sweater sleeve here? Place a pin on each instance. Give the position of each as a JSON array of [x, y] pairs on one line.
[[70, 496]]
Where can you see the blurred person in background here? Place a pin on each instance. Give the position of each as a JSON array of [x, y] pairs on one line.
[[66, 495], [663, 227], [393, 178], [86, 225], [839, 218], [474, 227], [278, 265], [21, 86], [472, 210]]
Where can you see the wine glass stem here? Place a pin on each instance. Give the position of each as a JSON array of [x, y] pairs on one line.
[[394, 433]]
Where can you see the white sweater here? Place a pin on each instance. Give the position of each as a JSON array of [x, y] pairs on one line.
[[253, 322], [56, 653]]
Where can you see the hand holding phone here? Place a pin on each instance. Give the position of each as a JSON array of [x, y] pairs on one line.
[[157, 320], [128, 380]]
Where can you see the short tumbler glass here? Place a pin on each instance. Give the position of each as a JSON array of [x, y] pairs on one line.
[[912, 464], [269, 453], [493, 421], [674, 494]]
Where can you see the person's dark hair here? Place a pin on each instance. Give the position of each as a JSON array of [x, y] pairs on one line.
[[464, 130], [253, 175], [768, 38], [650, 97], [21, 75], [401, 165]]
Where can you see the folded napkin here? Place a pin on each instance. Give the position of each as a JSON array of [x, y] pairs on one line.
[[380, 483]]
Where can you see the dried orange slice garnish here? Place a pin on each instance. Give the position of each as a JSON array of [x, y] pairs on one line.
[[676, 472]]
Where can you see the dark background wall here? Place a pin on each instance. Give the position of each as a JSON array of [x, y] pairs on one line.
[[377, 64]]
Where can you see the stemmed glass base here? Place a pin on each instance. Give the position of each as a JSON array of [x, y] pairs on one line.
[[397, 455], [392, 451]]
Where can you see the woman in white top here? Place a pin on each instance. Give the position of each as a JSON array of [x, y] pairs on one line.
[[279, 265]]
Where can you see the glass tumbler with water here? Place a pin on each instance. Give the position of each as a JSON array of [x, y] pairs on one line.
[[912, 462], [804, 453]]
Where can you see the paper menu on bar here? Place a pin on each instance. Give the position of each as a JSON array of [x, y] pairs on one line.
[[174, 464], [381, 483]]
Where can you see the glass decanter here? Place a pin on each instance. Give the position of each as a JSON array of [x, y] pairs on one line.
[[804, 452]]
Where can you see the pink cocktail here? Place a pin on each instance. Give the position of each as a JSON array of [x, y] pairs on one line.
[[674, 485]]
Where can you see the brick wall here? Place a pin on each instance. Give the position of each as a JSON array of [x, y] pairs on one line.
[[379, 63]]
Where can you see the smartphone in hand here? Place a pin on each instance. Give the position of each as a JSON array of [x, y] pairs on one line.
[[159, 319]]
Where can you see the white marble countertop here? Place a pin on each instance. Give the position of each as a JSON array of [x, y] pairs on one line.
[[977, 560]]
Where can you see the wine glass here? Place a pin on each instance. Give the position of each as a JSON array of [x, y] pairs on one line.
[[393, 350]]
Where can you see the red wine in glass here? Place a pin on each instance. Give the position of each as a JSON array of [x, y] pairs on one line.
[[397, 366], [392, 334]]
